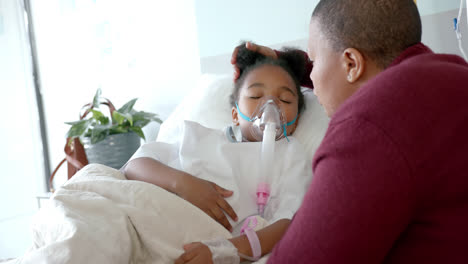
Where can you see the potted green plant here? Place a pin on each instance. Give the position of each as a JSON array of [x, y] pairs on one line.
[[110, 140]]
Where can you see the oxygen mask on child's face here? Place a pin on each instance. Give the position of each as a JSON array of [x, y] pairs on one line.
[[267, 111]]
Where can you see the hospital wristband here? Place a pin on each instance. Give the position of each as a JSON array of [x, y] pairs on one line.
[[254, 244]]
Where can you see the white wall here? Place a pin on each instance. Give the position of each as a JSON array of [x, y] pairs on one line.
[[222, 25], [430, 7], [439, 34]]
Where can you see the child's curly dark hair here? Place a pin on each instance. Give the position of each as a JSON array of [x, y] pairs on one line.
[[293, 61]]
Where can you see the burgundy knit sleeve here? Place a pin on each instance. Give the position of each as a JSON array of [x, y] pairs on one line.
[[359, 201], [305, 80]]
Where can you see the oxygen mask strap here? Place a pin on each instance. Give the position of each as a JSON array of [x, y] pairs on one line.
[[242, 114], [286, 125]]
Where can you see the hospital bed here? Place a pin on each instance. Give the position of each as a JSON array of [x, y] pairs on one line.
[[98, 216]]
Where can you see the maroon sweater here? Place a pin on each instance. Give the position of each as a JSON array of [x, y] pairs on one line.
[[391, 175]]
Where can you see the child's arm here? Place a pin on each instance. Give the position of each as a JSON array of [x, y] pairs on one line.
[[206, 195], [200, 253], [152, 171], [267, 236]]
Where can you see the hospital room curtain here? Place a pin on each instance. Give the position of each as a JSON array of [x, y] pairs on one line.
[[21, 159]]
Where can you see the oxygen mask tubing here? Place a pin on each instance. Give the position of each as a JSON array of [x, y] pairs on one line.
[[268, 125]]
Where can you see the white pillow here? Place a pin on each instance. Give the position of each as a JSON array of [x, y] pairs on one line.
[[208, 104]]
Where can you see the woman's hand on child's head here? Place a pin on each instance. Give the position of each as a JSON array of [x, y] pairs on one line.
[[195, 253], [209, 197], [253, 47]]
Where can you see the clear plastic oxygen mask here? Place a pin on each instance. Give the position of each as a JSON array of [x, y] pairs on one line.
[[267, 111], [269, 122], [268, 125]]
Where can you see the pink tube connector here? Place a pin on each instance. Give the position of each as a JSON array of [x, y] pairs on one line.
[[263, 193]]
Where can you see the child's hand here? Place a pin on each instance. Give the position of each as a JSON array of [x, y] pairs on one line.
[[209, 197], [195, 253]]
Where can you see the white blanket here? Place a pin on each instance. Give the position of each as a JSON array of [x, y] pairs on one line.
[[208, 154], [100, 217]]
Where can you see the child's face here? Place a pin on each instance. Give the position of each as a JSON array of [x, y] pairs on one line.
[[266, 80]]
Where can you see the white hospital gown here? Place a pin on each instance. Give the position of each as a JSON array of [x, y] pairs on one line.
[[208, 154]]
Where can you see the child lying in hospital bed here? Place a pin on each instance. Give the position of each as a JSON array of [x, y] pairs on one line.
[[99, 216], [206, 162]]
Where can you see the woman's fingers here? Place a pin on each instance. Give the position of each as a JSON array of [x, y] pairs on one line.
[[236, 73], [227, 208], [249, 45], [252, 46], [234, 56], [261, 49]]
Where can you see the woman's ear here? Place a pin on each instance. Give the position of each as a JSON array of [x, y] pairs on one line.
[[354, 64], [235, 116]]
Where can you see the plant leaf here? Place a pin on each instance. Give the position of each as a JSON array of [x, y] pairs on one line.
[[74, 122], [141, 119], [99, 116], [99, 133], [126, 108], [104, 120], [78, 128], [140, 123], [97, 98], [155, 118], [120, 118], [138, 131], [118, 130], [117, 117]]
